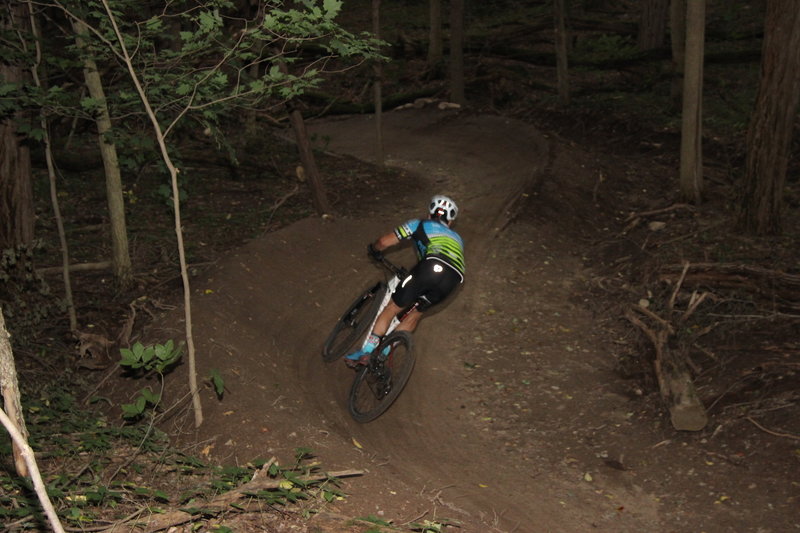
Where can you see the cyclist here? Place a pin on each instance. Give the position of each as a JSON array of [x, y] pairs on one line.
[[440, 270]]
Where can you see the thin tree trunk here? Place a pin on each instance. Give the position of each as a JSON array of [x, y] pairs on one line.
[[457, 91], [769, 136], [435, 35], [51, 174], [318, 195], [173, 172], [116, 204], [562, 67], [677, 22], [9, 388], [691, 171], [20, 441], [376, 85]]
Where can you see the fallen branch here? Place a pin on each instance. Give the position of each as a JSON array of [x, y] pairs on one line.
[[674, 379], [78, 267], [223, 501], [737, 275], [777, 434], [766, 288], [673, 207]]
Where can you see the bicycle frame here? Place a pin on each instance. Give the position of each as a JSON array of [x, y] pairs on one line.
[[378, 383], [391, 285]]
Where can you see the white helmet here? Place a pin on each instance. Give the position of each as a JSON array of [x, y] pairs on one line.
[[443, 207]]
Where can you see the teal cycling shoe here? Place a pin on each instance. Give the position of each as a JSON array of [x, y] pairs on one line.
[[358, 358]]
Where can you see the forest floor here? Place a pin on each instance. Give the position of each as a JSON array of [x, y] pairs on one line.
[[532, 406]]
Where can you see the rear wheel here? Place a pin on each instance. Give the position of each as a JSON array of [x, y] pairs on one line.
[[353, 323], [378, 384]]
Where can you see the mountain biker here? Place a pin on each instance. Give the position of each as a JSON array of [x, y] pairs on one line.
[[438, 272]]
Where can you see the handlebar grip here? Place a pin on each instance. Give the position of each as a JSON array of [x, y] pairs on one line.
[[373, 253], [378, 256]]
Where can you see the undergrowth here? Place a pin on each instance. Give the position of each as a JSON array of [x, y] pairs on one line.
[[99, 474]]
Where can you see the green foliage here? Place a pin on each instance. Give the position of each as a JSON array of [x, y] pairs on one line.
[[61, 431], [95, 469], [207, 67], [372, 519], [198, 61], [164, 192], [158, 358], [217, 382], [143, 360]]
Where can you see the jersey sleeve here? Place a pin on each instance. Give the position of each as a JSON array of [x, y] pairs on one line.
[[406, 229]]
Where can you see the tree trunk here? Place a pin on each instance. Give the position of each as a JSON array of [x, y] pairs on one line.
[[562, 68], [9, 388], [16, 191], [318, 195], [691, 171], [653, 24], [51, 174], [677, 24], [457, 92], [376, 85], [16, 194], [197, 406], [769, 135], [435, 35], [120, 256]]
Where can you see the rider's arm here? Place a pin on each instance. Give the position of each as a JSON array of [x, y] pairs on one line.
[[386, 241]]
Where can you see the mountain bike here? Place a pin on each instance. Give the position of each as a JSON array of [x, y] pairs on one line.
[[379, 382]]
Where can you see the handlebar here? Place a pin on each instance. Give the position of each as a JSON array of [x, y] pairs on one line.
[[400, 272]]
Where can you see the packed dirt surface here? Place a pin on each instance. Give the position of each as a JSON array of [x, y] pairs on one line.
[[514, 418]]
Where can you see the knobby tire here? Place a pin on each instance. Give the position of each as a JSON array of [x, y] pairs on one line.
[[353, 323], [378, 384]]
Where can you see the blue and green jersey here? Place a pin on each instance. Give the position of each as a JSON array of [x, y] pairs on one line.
[[434, 240]]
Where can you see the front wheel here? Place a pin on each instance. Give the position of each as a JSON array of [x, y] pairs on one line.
[[353, 323], [378, 384]]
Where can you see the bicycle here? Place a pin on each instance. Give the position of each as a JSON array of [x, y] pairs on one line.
[[379, 382]]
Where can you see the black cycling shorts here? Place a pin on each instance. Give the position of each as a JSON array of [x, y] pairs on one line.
[[430, 281]]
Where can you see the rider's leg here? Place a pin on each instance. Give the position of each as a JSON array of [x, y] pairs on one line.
[[385, 318], [410, 322], [378, 331]]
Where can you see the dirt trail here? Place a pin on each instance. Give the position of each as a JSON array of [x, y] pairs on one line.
[[266, 309]]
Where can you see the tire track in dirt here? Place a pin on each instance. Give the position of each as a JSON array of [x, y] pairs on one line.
[[486, 163], [267, 308]]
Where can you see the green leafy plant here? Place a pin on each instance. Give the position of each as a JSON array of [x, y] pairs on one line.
[[143, 360], [218, 383], [372, 519], [158, 357], [66, 434]]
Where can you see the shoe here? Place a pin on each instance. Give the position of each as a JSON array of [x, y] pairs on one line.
[[356, 359]]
